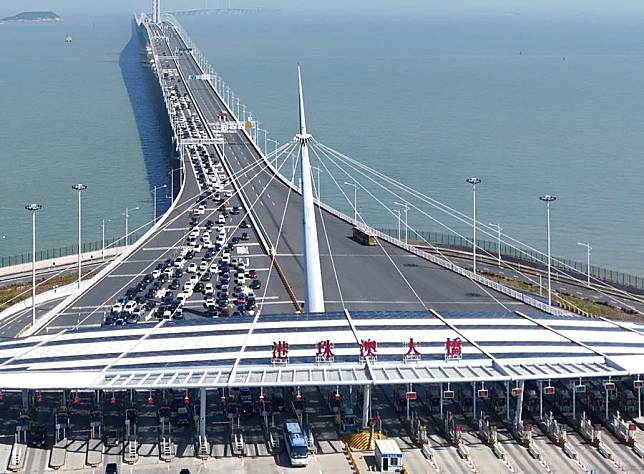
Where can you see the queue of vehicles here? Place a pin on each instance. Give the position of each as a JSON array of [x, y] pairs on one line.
[[225, 281]]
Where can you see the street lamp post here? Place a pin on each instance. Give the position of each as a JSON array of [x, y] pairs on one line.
[[547, 198], [127, 217], [498, 234], [80, 188], [154, 191], [588, 249], [276, 144], [319, 193], [474, 181], [405, 208], [355, 200], [171, 173], [397, 211], [238, 108], [103, 238], [33, 208]]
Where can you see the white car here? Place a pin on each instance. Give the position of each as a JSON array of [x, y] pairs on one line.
[[197, 248], [117, 307], [156, 273], [182, 297], [179, 262], [201, 210], [192, 268], [188, 286], [209, 289], [203, 266], [194, 279], [221, 219], [129, 307]]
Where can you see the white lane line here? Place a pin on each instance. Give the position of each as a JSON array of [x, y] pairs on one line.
[[272, 202], [125, 275], [174, 229], [153, 249]]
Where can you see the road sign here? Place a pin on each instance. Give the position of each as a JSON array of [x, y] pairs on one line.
[[637, 384], [410, 396], [527, 427], [483, 393], [448, 394], [580, 388], [516, 391], [609, 386], [549, 390]]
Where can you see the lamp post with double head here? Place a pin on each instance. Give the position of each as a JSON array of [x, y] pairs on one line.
[[547, 198], [80, 188], [474, 181], [33, 208]]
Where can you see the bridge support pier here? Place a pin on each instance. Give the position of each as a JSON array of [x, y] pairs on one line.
[[202, 413], [25, 399], [366, 406], [518, 422]]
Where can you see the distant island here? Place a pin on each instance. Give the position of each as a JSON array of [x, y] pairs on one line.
[[29, 17]]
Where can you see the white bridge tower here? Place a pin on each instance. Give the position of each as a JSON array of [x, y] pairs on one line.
[[314, 293]]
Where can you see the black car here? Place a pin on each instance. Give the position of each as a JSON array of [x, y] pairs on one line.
[[111, 438], [244, 236], [209, 224], [178, 273], [189, 255], [111, 468], [163, 277], [176, 283], [150, 294], [234, 240], [149, 304], [244, 224], [168, 297], [206, 276], [199, 287], [140, 299], [38, 436], [148, 278], [256, 285]]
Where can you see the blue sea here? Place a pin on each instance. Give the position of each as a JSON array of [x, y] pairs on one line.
[[531, 105]]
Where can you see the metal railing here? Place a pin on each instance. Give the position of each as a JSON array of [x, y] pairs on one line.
[[512, 254], [57, 252]]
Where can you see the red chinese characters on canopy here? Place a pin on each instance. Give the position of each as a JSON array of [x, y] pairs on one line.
[[453, 349], [412, 352], [324, 351], [280, 351], [368, 349]]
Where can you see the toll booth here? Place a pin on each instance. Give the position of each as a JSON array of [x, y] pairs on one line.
[[237, 442], [19, 448], [131, 448], [94, 455], [166, 445], [388, 456]]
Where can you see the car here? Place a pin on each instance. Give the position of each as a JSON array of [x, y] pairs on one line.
[[38, 436], [178, 313], [168, 297], [150, 304], [156, 273], [189, 255], [179, 262], [194, 279], [111, 438], [117, 308], [149, 278], [252, 273], [244, 236], [208, 289], [256, 284], [189, 285], [192, 268], [178, 273], [206, 276], [175, 284], [244, 224], [111, 468], [129, 307], [235, 210], [199, 286], [203, 266]]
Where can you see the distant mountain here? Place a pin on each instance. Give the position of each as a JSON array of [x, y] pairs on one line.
[[24, 17]]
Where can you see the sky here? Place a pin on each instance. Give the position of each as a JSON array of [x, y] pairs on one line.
[[333, 7]]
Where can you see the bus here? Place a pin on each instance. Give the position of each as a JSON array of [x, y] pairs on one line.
[[296, 446], [363, 237]]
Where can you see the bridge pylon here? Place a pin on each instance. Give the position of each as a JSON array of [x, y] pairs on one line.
[[314, 293]]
